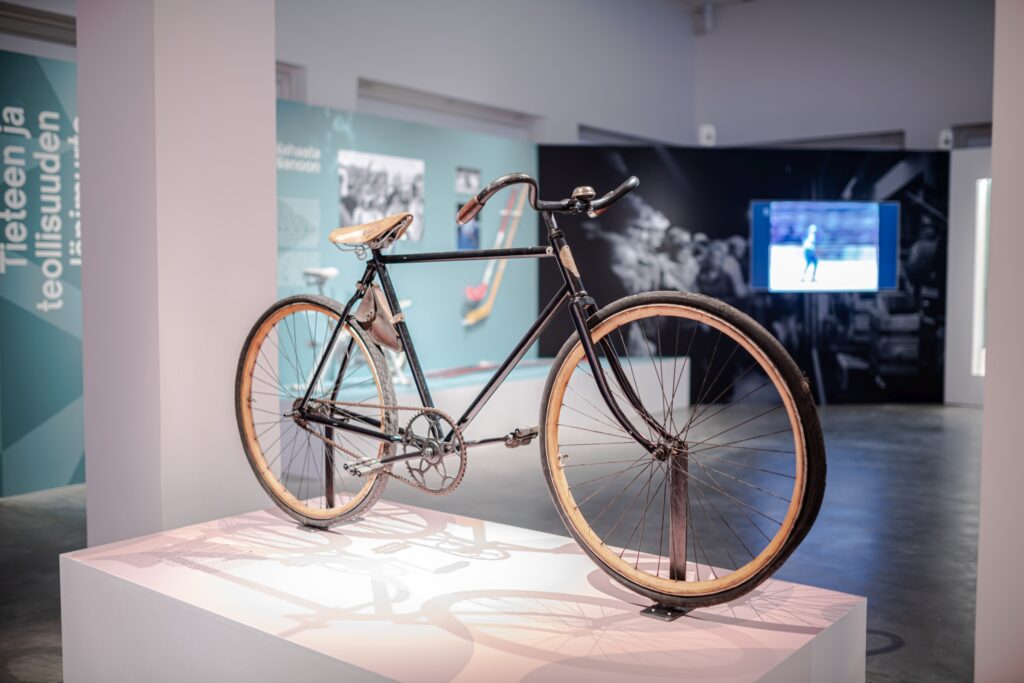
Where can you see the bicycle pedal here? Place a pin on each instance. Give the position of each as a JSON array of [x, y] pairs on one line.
[[361, 468], [522, 436]]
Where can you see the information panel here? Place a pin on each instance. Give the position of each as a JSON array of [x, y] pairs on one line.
[[41, 442]]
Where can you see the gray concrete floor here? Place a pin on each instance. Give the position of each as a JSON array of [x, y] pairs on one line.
[[34, 529], [899, 525]]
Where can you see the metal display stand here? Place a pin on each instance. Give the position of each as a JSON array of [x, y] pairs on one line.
[[678, 496]]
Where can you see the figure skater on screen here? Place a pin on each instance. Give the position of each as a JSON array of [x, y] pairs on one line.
[[811, 253]]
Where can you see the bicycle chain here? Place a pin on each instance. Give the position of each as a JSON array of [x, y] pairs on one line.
[[420, 410]]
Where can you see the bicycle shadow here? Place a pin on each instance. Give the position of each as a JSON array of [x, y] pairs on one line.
[[339, 590], [773, 606]]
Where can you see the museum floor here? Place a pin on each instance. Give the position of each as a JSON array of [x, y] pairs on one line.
[[899, 525]]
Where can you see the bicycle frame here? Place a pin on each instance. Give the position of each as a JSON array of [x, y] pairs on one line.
[[571, 294]]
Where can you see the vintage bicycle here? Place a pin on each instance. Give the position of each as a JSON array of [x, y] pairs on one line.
[[679, 440]]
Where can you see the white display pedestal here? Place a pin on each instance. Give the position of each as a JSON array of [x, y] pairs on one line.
[[416, 595]]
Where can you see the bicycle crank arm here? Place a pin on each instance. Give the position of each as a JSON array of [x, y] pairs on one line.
[[521, 436]]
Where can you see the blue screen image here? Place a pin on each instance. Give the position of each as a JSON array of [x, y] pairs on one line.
[[824, 246]]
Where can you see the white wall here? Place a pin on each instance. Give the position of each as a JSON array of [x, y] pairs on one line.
[[119, 320], [1000, 606], [179, 194], [623, 66], [966, 167], [769, 71], [777, 70]]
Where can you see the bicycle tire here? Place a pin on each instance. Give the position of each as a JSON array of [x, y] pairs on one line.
[[371, 491], [780, 368]]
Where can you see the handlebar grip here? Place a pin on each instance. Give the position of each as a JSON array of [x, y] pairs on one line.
[[599, 206], [468, 211]]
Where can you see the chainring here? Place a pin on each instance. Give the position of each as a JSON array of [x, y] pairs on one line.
[[442, 470]]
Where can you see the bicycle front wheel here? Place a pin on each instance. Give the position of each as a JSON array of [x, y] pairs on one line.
[[740, 473], [299, 463]]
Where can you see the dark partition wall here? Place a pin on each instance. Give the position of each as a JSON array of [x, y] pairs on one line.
[[688, 227]]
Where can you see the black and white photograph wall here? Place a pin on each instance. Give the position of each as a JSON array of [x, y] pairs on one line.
[[688, 227]]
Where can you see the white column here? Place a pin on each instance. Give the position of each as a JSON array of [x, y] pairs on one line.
[[177, 111], [1000, 609], [966, 167]]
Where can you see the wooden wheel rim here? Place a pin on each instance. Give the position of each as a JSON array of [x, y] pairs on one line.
[[254, 449], [566, 500]]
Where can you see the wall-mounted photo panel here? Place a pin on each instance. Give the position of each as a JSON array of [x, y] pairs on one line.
[[859, 300], [467, 236], [41, 441], [373, 186], [342, 168], [467, 180]]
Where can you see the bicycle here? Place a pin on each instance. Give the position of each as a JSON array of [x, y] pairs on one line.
[[720, 446]]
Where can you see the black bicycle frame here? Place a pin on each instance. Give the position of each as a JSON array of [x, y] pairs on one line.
[[581, 308]]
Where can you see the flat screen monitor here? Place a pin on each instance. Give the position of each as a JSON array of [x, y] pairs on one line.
[[826, 246]]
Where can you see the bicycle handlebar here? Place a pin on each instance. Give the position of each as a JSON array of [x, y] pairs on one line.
[[592, 208], [602, 204]]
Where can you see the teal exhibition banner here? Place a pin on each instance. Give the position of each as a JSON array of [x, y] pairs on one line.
[[334, 168], [343, 168], [41, 442]]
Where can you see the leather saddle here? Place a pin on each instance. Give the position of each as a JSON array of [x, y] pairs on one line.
[[375, 235]]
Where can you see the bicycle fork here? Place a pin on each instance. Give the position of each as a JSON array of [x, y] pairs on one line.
[[581, 308]]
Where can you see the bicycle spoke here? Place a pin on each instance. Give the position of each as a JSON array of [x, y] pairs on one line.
[[700, 392], [586, 429], [655, 366], [737, 426], [618, 393], [600, 462], [661, 533], [636, 384], [750, 467], [605, 476], [750, 393], [729, 526], [643, 519], [606, 484], [742, 506], [281, 450], [594, 419], [269, 371], [682, 371], [629, 505], [708, 468], [708, 446]]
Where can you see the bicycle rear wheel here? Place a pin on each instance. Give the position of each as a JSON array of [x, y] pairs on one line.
[[740, 476], [299, 463]]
